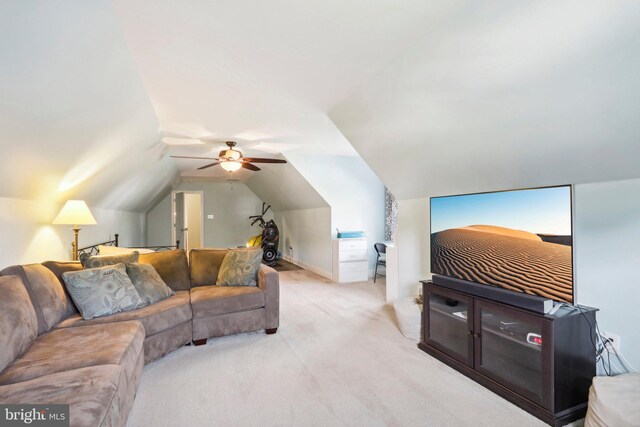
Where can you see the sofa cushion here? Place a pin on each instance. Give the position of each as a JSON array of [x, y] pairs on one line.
[[172, 266], [240, 268], [47, 294], [102, 291], [59, 267], [215, 300], [156, 318], [148, 283], [98, 396], [98, 261], [18, 322], [204, 265], [73, 348]]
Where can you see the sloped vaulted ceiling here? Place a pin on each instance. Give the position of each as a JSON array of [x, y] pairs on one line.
[[504, 94], [265, 72], [284, 188], [75, 119]]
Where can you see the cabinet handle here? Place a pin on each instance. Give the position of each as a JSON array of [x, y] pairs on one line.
[[477, 335], [469, 332]]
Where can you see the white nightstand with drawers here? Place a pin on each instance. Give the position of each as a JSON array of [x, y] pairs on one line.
[[350, 260]]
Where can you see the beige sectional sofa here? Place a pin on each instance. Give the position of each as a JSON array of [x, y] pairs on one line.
[[50, 354]]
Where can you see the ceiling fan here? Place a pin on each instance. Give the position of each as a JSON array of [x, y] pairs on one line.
[[232, 159]]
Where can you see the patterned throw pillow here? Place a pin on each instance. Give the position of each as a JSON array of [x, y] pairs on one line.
[[97, 261], [240, 268], [148, 283], [102, 291]]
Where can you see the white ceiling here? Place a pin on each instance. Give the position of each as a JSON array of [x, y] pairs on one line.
[[503, 95], [75, 119], [284, 188], [265, 73], [436, 96]]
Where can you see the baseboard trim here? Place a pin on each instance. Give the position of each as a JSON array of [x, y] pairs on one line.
[[306, 266]]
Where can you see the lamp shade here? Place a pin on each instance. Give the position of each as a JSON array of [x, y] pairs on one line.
[[75, 212]]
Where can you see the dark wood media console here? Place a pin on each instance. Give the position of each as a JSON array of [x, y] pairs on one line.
[[542, 363]]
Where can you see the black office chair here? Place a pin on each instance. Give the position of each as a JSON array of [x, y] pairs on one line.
[[381, 258]]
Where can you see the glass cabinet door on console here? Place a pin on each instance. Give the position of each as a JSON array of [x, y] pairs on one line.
[[449, 323], [513, 348]]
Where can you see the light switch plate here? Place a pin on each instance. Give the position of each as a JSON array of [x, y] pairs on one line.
[[209, 216]]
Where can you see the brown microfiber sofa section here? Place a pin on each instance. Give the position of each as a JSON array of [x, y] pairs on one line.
[[48, 296], [18, 322], [95, 369], [114, 344], [167, 323], [160, 320], [99, 380], [225, 310], [172, 266], [210, 301], [98, 396], [59, 267], [204, 265]]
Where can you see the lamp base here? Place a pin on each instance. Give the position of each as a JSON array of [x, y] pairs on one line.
[[76, 231]]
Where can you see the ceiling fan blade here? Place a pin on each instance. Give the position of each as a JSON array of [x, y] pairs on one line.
[[208, 166], [197, 158], [261, 160], [250, 166]]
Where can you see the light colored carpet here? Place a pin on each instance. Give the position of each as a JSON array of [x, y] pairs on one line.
[[337, 359]]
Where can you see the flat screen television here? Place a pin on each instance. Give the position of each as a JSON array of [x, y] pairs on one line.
[[519, 240]]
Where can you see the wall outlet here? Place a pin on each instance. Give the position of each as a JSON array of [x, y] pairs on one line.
[[614, 340], [209, 216]]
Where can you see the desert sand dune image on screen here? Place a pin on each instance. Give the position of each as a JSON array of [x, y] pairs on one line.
[[512, 259]]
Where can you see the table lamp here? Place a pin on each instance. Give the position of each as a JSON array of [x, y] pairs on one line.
[[75, 212]]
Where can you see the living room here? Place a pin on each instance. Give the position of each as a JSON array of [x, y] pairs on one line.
[[126, 105]]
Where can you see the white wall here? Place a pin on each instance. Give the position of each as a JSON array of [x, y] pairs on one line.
[[29, 237], [607, 251], [412, 245], [305, 238], [352, 190], [606, 248], [503, 94], [75, 119], [230, 204], [302, 215], [159, 223]]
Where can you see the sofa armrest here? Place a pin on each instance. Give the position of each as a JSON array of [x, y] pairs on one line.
[[269, 282]]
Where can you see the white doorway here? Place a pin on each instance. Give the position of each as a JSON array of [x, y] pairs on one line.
[[187, 214]]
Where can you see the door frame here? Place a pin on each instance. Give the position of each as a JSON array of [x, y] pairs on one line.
[[173, 214]]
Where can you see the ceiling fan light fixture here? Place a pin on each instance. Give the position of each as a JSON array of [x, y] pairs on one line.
[[232, 154], [231, 165]]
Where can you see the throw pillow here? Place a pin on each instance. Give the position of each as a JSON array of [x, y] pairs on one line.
[[148, 283], [240, 268], [102, 291], [97, 261]]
